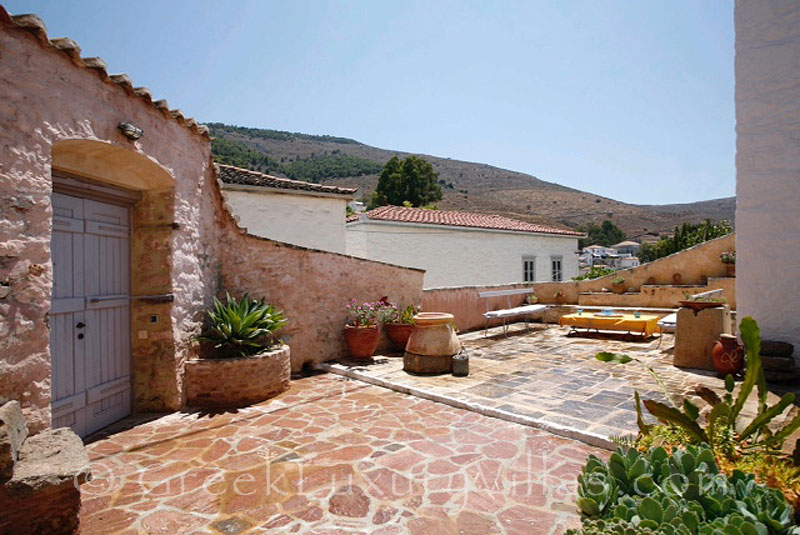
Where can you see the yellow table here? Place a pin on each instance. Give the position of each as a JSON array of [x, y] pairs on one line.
[[644, 325]]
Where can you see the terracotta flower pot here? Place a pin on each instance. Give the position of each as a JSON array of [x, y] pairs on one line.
[[399, 333], [728, 355], [730, 270], [361, 341], [618, 288]]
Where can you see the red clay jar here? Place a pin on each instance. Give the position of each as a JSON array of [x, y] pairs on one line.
[[728, 355], [361, 341], [399, 333]]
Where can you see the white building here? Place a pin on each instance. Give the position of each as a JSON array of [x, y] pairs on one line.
[[291, 211], [627, 248], [768, 167], [462, 248]]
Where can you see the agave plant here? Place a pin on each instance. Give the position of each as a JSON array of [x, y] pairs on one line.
[[723, 430], [243, 327]]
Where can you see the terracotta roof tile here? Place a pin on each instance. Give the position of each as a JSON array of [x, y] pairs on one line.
[[35, 25], [461, 219], [236, 175]]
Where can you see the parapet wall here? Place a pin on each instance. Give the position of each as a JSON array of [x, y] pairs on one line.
[[698, 266], [464, 303]]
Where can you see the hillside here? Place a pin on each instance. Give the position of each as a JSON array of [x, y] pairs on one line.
[[475, 187]]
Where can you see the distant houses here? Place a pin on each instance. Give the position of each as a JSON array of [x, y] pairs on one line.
[[623, 255]]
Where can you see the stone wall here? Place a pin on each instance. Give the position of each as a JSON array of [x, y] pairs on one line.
[[768, 165], [312, 287], [50, 98], [237, 382], [466, 306], [61, 112], [696, 266]]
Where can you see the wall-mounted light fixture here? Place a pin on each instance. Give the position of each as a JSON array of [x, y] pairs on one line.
[[130, 131]]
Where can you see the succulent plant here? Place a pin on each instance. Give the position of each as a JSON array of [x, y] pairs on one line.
[[680, 494]]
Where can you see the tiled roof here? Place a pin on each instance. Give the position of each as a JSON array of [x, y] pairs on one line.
[[236, 175], [461, 219], [34, 25]]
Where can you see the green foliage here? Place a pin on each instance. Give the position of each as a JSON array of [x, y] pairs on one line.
[[313, 169], [218, 129], [233, 153], [605, 234], [594, 273], [320, 168], [723, 430], [411, 180], [680, 494], [240, 328], [685, 236]]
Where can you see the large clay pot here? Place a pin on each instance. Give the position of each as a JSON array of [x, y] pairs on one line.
[[728, 355], [361, 341], [432, 344], [399, 333]]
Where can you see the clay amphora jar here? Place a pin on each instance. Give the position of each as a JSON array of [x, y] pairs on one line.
[[728, 355]]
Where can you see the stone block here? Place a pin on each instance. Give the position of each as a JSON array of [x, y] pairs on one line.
[[13, 432], [696, 334], [43, 497]]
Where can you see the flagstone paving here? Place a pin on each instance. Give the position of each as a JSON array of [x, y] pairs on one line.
[[331, 456], [551, 378]]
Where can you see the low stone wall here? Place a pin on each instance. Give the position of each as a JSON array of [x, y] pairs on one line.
[[697, 266], [237, 382], [463, 303]]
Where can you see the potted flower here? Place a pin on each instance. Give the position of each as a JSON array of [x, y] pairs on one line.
[[618, 285], [362, 329], [242, 362], [400, 323], [561, 297], [729, 259], [531, 299], [700, 302]]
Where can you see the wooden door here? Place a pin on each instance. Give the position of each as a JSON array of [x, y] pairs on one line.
[[90, 314]]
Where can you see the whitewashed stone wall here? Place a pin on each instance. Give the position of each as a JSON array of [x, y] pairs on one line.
[[300, 219], [768, 165], [461, 257]]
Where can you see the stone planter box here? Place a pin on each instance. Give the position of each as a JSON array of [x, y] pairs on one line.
[[237, 382]]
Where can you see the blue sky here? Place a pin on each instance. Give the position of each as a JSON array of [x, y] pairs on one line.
[[628, 99]]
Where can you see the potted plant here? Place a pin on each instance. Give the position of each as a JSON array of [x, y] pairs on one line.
[[399, 323], [242, 362], [531, 299], [700, 302], [362, 329], [729, 259], [561, 297], [618, 285]]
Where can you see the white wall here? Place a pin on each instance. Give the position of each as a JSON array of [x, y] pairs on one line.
[[455, 257], [768, 166], [310, 221]]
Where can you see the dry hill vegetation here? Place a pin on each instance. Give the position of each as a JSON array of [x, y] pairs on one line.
[[475, 187]]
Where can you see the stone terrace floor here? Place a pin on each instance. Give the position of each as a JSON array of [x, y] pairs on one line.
[[549, 378], [332, 456]]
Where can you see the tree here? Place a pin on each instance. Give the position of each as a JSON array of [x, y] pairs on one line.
[[685, 236], [605, 234], [412, 180]]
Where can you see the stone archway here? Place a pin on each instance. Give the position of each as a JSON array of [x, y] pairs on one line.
[[91, 168]]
